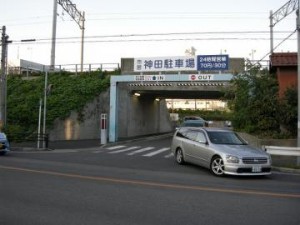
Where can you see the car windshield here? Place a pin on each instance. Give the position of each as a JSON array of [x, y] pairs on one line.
[[225, 138], [2, 136]]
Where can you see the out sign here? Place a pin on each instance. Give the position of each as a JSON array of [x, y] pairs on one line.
[[200, 77]]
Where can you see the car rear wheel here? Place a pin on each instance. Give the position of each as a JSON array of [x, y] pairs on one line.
[[217, 166], [179, 156]]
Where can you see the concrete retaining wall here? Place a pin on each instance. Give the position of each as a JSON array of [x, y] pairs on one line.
[[82, 126], [141, 115]]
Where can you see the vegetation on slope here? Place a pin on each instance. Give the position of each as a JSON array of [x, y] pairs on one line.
[[68, 92]]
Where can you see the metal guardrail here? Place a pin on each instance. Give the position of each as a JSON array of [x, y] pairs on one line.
[[282, 150]]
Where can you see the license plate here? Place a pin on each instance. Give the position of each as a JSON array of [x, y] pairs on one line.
[[256, 169]]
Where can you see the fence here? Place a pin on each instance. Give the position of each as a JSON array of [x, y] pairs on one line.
[[74, 68]]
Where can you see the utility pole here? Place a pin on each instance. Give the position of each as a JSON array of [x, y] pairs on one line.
[[77, 16], [276, 17], [3, 75], [298, 55], [279, 15], [52, 60], [4, 43]]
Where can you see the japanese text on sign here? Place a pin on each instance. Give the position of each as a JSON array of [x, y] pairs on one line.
[[164, 64], [149, 78], [212, 62]]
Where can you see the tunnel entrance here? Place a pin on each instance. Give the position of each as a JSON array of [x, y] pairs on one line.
[[138, 102]]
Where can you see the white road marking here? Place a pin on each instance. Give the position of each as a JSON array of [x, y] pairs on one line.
[[124, 150], [140, 150], [156, 152], [169, 155], [115, 147]]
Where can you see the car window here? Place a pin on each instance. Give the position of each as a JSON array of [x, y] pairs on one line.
[[220, 137], [180, 133], [191, 135], [201, 137]]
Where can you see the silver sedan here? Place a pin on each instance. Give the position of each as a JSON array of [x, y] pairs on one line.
[[220, 150]]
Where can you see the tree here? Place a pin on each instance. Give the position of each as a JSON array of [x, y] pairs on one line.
[[288, 111], [254, 101]]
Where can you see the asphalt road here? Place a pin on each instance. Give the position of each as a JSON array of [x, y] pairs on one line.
[[137, 183]]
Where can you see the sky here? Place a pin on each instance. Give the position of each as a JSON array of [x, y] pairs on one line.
[[118, 29]]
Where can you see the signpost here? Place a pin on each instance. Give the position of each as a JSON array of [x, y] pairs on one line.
[[158, 64], [212, 62], [182, 63]]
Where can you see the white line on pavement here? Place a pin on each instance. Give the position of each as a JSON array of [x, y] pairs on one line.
[[124, 150], [115, 147], [141, 150], [156, 152], [169, 155]]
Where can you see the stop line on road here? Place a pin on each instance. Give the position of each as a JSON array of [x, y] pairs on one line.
[[135, 150]]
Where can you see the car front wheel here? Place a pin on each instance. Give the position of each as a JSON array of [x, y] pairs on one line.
[[217, 166], [179, 156]]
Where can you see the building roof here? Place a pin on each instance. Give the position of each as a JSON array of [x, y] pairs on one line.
[[283, 59]]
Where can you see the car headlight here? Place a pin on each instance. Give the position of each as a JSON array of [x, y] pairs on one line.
[[232, 159]]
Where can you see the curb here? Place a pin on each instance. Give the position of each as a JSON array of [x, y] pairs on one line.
[[29, 149], [286, 170]]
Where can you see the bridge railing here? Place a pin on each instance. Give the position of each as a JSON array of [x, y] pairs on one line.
[[75, 68], [88, 67]]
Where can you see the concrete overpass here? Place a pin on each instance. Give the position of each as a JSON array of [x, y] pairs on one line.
[[132, 115]]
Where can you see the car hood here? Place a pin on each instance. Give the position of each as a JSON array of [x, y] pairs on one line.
[[241, 150]]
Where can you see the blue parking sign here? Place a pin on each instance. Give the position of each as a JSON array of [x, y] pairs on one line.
[[212, 62]]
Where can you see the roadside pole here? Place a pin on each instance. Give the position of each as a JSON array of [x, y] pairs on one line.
[[39, 124], [103, 129], [45, 110]]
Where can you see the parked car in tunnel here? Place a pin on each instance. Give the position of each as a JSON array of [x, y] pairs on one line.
[[193, 123], [195, 118], [220, 150]]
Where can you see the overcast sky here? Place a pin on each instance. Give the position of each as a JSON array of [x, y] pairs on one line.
[[118, 29]]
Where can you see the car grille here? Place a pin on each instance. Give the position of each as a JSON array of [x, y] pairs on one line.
[[255, 160]]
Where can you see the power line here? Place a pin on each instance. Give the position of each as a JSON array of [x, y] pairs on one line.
[[152, 40], [171, 34], [285, 39]]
